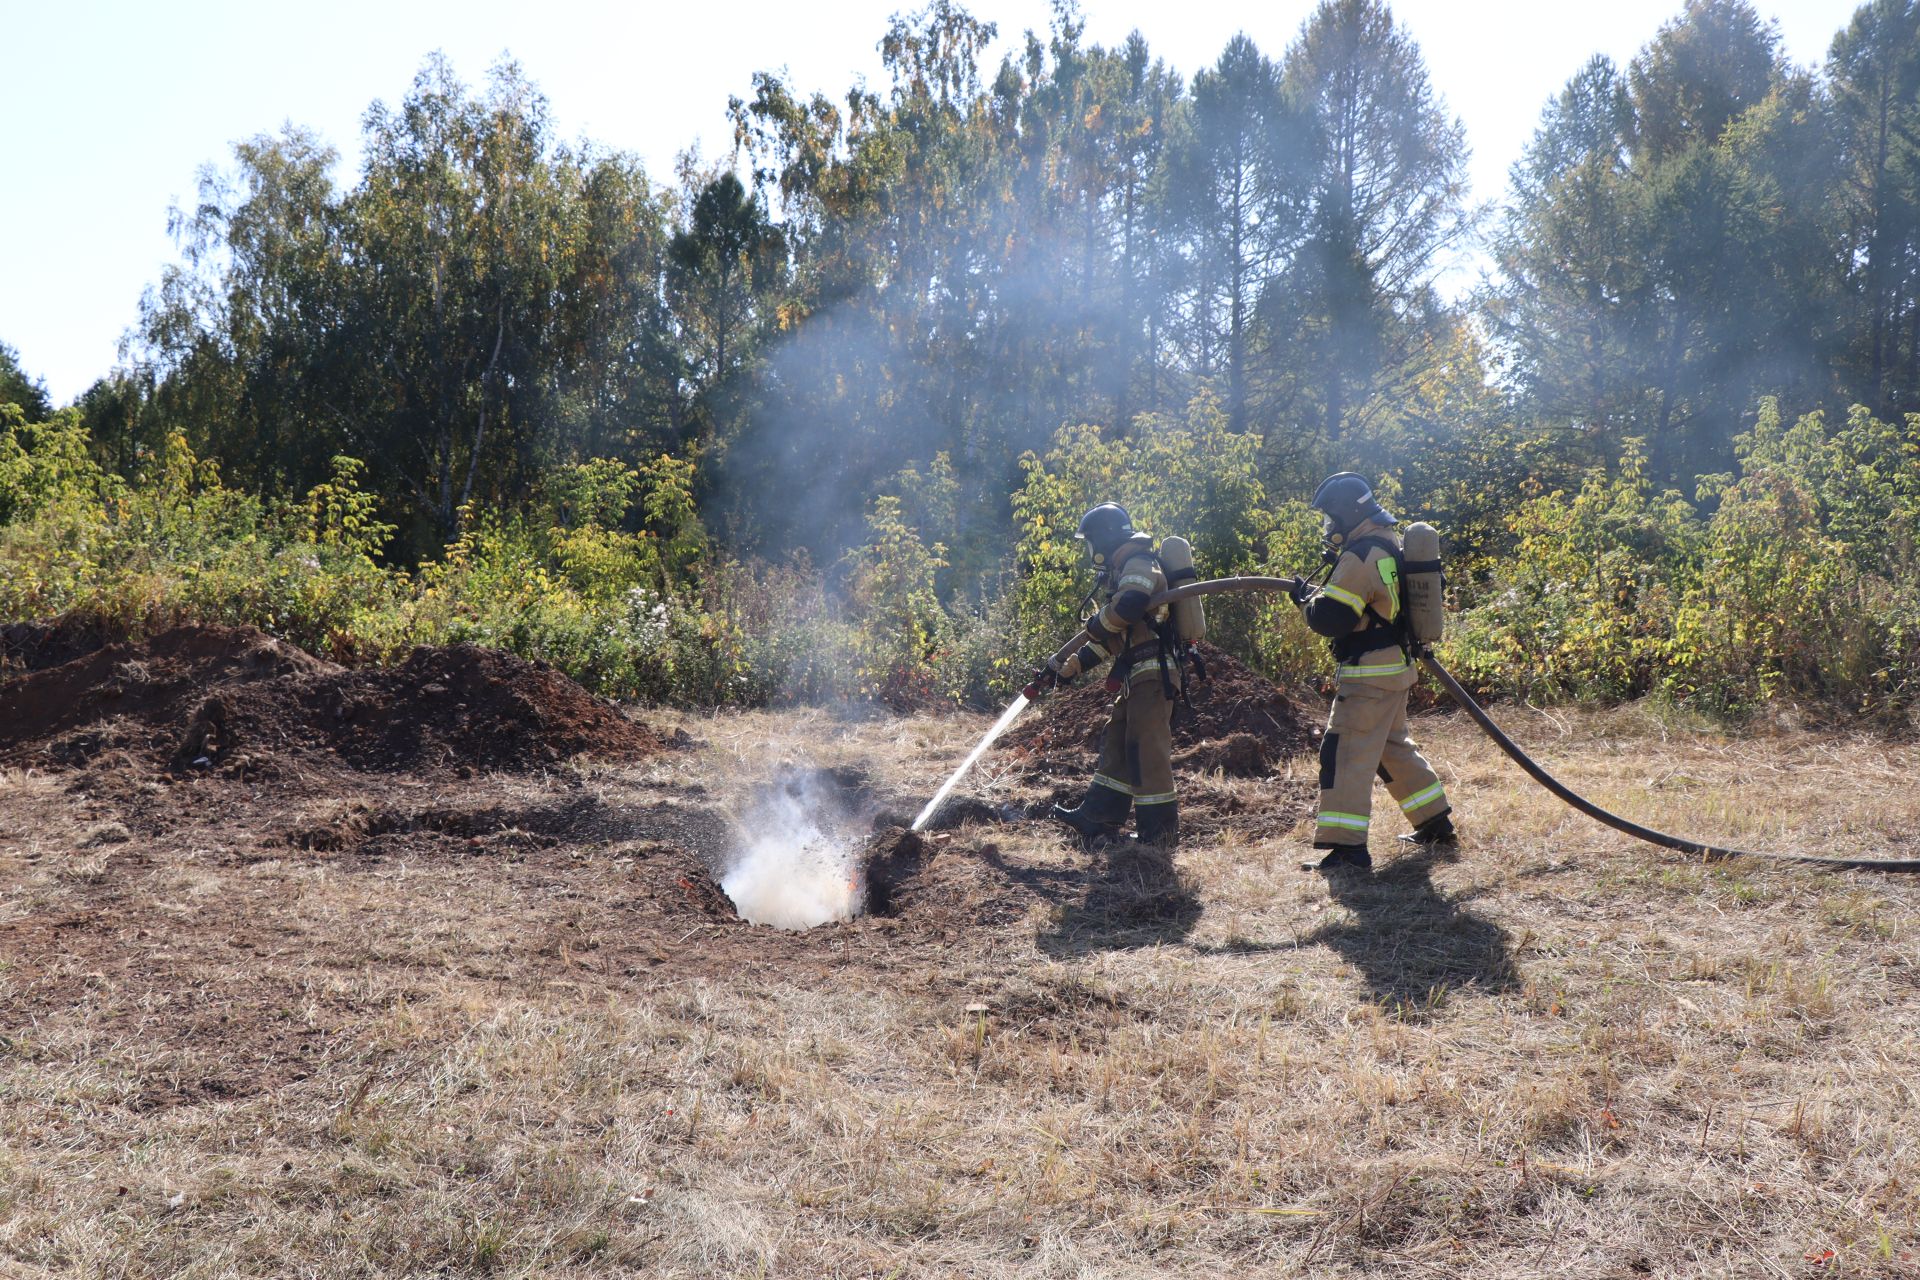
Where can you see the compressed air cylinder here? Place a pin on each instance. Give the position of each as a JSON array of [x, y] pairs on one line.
[[1189, 616], [1423, 584]]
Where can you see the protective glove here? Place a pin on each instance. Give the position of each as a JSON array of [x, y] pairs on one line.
[[1067, 668], [1041, 681], [1299, 591]]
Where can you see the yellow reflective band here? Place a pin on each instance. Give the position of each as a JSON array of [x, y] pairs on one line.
[[1135, 580], [1390, 574], [1377, 669], [1160, 797], [1346, 598], [1112, 784], [1418, 798], [1351, 821]]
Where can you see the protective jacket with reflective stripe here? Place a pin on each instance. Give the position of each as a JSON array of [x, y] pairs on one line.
[[1133, 575], [1361, 583]]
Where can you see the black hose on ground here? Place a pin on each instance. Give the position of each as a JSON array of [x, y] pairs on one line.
[[1228, 586], [1618, 823]]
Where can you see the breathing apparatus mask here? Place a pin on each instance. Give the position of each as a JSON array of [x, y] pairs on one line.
[[1331, 539], [1345, 501]]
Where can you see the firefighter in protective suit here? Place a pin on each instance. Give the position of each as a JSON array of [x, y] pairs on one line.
[[1135, 769], [1359, 611]]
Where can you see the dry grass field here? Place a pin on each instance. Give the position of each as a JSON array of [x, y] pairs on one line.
[[491, 1027]]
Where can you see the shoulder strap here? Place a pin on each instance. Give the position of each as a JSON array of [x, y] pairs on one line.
[[1360, 546]]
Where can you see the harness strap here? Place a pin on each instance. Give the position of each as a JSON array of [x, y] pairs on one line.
[[1121, 674]]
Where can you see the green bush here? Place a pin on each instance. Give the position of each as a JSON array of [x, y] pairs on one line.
[[1793, 578], [1799, 585], [177, 544], [900, 623], [982, 662]]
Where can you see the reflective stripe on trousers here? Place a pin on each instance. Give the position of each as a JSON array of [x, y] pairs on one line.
[[1136, 754], [1366, 739]]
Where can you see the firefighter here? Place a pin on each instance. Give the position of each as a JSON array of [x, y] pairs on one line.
[[1359, 611], [1135, 769]]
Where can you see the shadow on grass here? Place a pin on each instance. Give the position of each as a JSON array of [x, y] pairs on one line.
[[1116, 916], [1414, 944], [1104, 907]]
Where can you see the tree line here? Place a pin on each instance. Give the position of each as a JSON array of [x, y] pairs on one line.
[[928, 279]]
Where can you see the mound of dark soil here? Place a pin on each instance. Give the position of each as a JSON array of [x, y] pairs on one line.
[[233, 697], [123, 694], [890, 860], [454, 706], [930, 885], [35, 646], [1236, 721]]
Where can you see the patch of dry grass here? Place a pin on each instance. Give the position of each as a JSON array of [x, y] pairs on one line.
[[1559, 1054]]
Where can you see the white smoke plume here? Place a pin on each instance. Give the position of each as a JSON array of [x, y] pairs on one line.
[[795, 866]]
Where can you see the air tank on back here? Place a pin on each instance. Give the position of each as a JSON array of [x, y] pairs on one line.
[[1189, 616], [1424, 583]]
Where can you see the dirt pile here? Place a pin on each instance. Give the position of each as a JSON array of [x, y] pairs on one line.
[[234, 698], [35, 646], [890, 861], [1236, 721], [137, 694], [454, 706]]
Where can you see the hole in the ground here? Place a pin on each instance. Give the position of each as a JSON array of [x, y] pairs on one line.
[[796, 862], [889, 861]]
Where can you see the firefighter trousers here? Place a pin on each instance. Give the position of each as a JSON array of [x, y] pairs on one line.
[[1367, 736], [1136, 754]]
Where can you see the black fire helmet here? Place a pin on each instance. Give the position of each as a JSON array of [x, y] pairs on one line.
[[1347, 500], [1103, 529]]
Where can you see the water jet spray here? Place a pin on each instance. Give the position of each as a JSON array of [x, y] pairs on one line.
[[1000, 726]]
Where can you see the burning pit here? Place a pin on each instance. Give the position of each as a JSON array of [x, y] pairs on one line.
[[798, 844]]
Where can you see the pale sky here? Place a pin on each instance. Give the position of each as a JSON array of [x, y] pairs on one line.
[[108, 109]]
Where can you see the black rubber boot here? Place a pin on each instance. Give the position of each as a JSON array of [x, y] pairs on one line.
[[1341, 857], [1144, 860], [1158, 825], [1099, 814], [1435, 833]]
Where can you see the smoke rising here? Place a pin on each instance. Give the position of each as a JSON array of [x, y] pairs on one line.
[[795, 864]]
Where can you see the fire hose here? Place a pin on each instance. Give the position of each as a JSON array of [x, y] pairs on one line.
[[1236, 586]]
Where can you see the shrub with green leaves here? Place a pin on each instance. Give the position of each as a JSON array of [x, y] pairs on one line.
[[901, 624], [176, 543], [1797, 584], [1792, 577], [1193, 477]]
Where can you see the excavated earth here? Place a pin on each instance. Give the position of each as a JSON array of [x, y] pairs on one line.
[[234, 698], [188, 819]]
